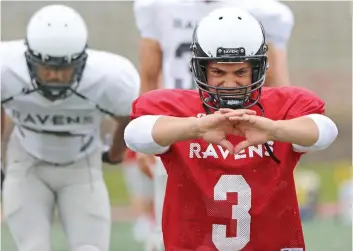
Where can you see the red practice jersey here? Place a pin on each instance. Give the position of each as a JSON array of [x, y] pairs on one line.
[[218, 201]]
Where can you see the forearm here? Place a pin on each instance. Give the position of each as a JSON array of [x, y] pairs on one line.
[[169, 130], [118, 147], [148, 84], [150, 56], [3, 117], [316, 131], [2, 133], [301, 131], [154, 134]]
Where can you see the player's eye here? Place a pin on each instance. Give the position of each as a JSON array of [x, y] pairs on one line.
[[241, 72], [216, 72]]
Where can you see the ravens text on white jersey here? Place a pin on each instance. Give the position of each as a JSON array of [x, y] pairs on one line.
[[65, 130]]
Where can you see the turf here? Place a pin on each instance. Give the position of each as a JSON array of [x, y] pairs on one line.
[[330, 176], [320, 235]]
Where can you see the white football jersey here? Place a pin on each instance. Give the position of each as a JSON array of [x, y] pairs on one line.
[[66, 130], [171, 23]]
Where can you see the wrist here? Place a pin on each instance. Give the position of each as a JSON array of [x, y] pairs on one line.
[[115, 156], [277, 131], [195, 128]]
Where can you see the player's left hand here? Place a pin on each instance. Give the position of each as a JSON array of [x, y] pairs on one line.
[[256, 129], [109, 158]]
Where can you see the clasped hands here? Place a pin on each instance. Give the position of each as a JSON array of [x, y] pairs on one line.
[[256, 129]]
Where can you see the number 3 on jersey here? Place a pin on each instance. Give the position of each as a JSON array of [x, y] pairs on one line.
[[240, 212], [180, 83]]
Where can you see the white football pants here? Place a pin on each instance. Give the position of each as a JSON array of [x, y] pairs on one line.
[[32, 190]]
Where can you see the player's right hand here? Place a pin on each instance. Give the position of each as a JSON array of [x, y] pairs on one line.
[[213, 128], [146, 163]]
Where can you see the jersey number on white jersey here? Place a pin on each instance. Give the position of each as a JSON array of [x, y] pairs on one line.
[[182, 50]]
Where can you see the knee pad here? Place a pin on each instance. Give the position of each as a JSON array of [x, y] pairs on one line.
[[87, 248]]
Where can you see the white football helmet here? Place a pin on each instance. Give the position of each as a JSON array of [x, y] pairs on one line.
[[229, 35], [56, 42]]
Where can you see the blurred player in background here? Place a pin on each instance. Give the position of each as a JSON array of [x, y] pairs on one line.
[[231, 146], [57, 92], [1, 171], [345, 202], [166, 29]]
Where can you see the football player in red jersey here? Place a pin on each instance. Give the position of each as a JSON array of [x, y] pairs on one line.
[[164, 50], [230, 148]]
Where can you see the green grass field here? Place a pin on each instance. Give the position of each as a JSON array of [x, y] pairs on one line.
[[320, 234], [329, 175]]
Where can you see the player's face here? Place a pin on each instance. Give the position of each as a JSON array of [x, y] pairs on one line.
[[62, 75], [229, 75]]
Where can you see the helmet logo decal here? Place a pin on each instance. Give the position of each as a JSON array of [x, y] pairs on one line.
[[221, 52]]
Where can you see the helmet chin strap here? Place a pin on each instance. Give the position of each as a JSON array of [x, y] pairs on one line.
[[53, 92]]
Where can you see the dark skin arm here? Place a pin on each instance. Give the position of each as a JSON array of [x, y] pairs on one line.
[[149, 51], [3, 117], [118, 147]]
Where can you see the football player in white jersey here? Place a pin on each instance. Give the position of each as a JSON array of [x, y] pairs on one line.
[[166, 29], [57, 92]]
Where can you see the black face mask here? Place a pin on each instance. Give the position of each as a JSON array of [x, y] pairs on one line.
[[49, 89]]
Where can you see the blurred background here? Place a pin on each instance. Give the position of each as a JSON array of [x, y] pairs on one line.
[[320, 59]]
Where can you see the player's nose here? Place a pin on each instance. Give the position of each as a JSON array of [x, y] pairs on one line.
[[230, 83], [54, 75]]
